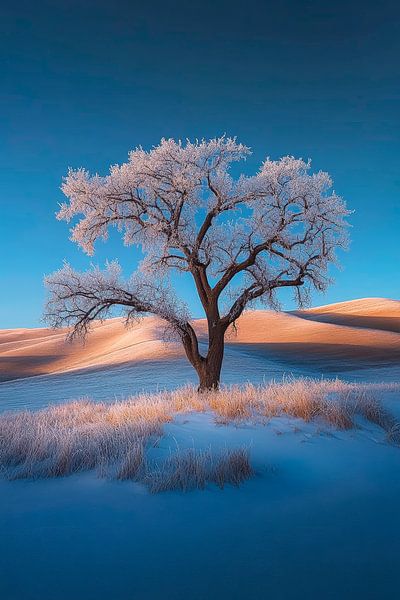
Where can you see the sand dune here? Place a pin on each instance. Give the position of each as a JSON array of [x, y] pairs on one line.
[[373, 313], [27, 352], [351, 331], [364, 331]]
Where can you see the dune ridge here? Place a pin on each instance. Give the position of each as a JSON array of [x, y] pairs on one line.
[[365, 330]]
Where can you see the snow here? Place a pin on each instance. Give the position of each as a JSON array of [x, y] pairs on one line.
[[241, 364], [319, 519], [323, 524]]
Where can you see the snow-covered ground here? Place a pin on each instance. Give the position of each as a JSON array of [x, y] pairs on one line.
[[241, 364], [320, 518], [151, 375]]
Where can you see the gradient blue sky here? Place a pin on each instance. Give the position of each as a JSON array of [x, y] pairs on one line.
[[82, 83]]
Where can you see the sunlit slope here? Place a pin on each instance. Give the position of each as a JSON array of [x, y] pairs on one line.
[[26, 352], [374, 313], [354, 331], [365, 331]]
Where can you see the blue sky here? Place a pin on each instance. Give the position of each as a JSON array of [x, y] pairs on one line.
[[82, 83]]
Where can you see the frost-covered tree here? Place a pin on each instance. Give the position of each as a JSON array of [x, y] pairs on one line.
[[240, 238]]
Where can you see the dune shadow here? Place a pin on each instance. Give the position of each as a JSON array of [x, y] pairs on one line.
[[391, 324], [15, 367], [337, 357]]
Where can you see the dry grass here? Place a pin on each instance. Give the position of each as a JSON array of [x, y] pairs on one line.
[[191, 469], [333, 402], [80, 436], [112, 438]]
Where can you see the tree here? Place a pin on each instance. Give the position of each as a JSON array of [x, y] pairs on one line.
[[241, 239]]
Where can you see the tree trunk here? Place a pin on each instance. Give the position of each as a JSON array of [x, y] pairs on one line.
[[209, 378], [209, 371], [208, 367]]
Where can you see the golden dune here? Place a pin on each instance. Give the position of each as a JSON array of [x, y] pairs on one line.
[[359, 330], [365, 330]]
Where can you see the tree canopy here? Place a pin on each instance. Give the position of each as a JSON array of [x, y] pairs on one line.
[[246, 235]]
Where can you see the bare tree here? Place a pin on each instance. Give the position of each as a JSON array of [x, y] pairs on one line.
[[241, 239]]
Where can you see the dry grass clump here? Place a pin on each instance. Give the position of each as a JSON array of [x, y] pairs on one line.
[[373, 411], [185, 399], [191, 469], [333, 402], [112, 438], [79, 436], [308, 400], [132, 462], [235, 402], [232, 467]]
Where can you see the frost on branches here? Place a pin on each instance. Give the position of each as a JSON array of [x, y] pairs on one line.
[[241, 239]]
